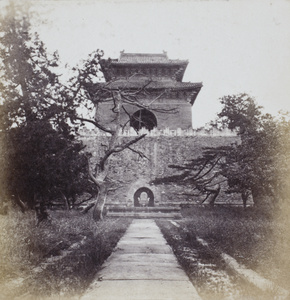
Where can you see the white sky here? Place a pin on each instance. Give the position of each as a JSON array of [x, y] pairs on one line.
[[232, 46]]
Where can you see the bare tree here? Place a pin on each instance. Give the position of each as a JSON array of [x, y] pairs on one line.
[[87, 91]]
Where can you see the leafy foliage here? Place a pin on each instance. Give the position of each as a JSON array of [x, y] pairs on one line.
[[40, 155], [43, 165], [257, 165], [252, 165]]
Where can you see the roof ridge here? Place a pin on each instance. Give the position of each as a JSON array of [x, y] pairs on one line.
[[143, 57], [143, 53], [122, 53]]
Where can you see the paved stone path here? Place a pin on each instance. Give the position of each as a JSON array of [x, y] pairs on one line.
[[142, 267]]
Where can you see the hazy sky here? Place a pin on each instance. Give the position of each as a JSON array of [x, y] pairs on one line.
[[232, 46]]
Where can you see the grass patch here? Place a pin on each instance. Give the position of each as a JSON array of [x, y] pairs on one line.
[[230, 229], [260, 242], [203, 264], [65, 270], [204, 267]]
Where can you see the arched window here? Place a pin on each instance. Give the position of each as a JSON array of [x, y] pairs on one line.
[[143, 118]]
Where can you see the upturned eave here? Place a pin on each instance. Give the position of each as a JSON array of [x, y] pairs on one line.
[[191, 89]]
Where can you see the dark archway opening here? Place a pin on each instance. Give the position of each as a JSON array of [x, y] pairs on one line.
[[143, 118], [143, 197]]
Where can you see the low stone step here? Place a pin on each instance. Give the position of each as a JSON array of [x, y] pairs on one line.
[[162, 209], [144, 215]]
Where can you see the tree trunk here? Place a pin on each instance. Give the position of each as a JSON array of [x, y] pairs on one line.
[[245, 196], [101, 169], [88, 208], [258, 197], [73, 200], [21, 204], [40, 209], [215, 190], [101, 200], [65, 200]]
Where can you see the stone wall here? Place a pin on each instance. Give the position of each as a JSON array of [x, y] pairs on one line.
[[130, 172], [181, 117], [211, 132]]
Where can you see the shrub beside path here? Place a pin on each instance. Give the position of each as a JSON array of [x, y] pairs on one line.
[[142, 267]]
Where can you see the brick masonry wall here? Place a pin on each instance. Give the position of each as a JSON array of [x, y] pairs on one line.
[[131, 172], [182, 118]]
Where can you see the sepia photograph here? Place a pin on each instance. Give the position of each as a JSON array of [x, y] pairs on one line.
[[144, 150]]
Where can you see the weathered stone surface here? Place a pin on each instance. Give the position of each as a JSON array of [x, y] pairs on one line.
[[140, 215], [161, 151], [254, 278], [142, 266], [158, 249], [144, 271], [142, 290], [137, 257]]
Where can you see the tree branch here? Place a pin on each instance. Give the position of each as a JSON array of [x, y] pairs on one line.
[[93, 178], [208, 171], [117, 149], [141, 154], [96, 124]]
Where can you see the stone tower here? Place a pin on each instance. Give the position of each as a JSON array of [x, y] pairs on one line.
[[169, 136], [162, 78]]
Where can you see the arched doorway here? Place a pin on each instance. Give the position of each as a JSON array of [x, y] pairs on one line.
[[143, 197], [143, 118]]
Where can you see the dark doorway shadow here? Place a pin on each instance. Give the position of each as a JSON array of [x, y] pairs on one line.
[[140, 197]]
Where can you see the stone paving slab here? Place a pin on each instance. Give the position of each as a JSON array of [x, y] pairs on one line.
[[142, 290], [138, 257], [141, 267], [145, 215], [136, 271], [147, 230], [153, 235], [133, 248], [141, 241]]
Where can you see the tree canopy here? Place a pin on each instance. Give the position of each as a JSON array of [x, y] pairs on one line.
[[258, 164], [251, 166], [37, 109], [40, 154]]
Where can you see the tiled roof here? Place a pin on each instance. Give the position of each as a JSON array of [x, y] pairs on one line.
[[175, 85], [146, 58], [190, 88], [143, 57]]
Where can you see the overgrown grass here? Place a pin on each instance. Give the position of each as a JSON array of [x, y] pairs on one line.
[[24, 247], [231, 230], [249, 236], [259, 241], [16, 229], [205, 268]]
